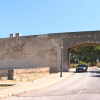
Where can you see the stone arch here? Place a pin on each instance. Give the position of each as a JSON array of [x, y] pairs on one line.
[[72, 44]]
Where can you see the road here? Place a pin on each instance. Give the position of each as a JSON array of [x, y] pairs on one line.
[[79, 86]]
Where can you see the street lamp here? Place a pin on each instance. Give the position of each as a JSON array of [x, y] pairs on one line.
[[61, 47]]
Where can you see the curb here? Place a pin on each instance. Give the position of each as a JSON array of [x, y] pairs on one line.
[[97, 68], [27, 90]]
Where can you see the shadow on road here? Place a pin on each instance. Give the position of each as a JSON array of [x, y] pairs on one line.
[[98, 72], [95, 76], [80, 72]]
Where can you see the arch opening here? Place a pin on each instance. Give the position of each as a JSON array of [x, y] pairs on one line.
[[76, 60]]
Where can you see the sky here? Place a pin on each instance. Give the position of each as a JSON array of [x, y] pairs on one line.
[[36, 17]]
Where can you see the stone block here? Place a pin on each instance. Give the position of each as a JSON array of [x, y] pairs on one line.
[[27, 74]]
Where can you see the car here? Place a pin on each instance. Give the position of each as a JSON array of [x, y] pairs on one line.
[[82, 68]]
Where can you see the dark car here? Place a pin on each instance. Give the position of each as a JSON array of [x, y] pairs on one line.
[[81, 67]]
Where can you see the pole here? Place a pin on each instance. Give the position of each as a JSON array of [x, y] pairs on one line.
[[61, 64]]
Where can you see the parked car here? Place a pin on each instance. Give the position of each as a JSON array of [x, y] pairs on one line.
[[81, 67]]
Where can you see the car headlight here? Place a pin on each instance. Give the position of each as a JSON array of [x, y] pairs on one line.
[[84, 68]]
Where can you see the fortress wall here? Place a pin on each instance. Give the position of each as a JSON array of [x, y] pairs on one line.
[[40, 50], [28, 52]]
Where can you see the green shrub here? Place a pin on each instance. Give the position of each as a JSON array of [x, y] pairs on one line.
[[82, 62], [72, 65]]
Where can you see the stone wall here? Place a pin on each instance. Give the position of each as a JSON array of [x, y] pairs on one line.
[[27, 74], [3, 73], [38, 51], [28, 52]]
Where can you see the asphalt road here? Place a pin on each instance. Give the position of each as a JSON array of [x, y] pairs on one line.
[[79, 86]]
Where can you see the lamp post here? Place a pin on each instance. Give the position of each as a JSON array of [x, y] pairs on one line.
[[61, 47]]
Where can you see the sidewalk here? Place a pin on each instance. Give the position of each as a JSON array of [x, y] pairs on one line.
[[97, 68], [37, 84]]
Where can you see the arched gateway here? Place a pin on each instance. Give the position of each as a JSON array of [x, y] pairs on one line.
[[43, 50]]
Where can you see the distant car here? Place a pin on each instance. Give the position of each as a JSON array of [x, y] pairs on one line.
[[81, 67]]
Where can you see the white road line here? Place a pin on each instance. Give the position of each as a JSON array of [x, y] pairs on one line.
[[79, 92], [75, 95]]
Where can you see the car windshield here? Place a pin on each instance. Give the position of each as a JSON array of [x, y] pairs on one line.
[[81, 66]]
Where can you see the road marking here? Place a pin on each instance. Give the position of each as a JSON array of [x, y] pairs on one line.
[[75, 95]]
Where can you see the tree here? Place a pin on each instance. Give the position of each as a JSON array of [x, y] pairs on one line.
[[87, 53]]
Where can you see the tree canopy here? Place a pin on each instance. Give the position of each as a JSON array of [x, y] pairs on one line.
[[86, 54]]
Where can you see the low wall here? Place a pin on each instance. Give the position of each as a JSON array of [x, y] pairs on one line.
[[27, 74], [3, 74]]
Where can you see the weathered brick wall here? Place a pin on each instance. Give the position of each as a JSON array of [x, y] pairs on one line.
[[28, 74], [3, 73], [28, 52], [42, 50], [76, 40]]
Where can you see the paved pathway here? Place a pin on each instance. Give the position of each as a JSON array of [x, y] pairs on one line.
[[79, 86], [37, 84]]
